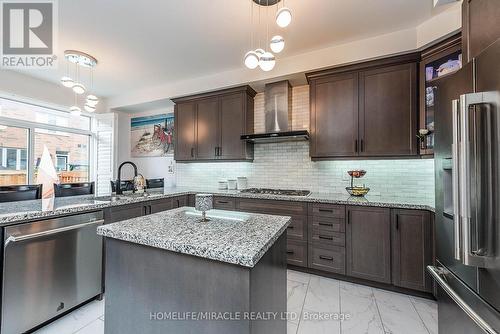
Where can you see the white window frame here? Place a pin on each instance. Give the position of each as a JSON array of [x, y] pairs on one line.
[[31, 126]]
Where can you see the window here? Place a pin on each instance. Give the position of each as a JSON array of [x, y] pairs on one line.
[[69, 151], [13, 155], [25, 130]]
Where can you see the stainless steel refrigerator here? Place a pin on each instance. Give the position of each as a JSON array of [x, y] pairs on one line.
[[467, 161]]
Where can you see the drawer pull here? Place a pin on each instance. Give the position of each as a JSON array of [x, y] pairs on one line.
[[290, 226], [326, 210], [290, 252], [328, 258], [325, 224], [223, 202], [325, 237]]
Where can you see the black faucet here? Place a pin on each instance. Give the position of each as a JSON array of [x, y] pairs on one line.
[[119, 180]]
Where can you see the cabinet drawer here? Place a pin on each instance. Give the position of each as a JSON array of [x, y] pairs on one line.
[[327, 210], [298, 228], [296, 253], [328, 224], [324, 238], [286, 208], [224, 203], [332, 260]]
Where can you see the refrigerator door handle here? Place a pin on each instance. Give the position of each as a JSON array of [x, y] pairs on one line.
[[475, 163], [456, 181], [436, 273]]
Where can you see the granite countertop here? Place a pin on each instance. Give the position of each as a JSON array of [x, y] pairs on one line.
[[232, 237], [16, 212]]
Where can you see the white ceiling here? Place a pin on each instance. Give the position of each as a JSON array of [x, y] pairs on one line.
[[149, 42]]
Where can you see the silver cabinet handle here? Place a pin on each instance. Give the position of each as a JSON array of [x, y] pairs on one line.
[[13, 238], [455, 173], [436, 273]]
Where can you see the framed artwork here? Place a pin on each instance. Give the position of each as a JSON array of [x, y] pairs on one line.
[[152, 136]]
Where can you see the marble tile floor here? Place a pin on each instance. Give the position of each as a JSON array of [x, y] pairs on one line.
[[365, 310]]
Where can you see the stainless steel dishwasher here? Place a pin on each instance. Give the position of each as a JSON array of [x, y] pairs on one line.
[[49, 267]]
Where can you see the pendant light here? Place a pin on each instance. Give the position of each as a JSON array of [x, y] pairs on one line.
[[251, 57], [78, 87], [283, 16], [277, 44], [267, 60], [67, 82], [75, 109], [91, 100]]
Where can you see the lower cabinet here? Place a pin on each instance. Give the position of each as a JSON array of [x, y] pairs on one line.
[[330, 259], [411, 249], [296, 252], [160, 205], [124, 212], [368, 243]]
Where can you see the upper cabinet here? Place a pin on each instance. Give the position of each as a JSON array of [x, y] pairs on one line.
[[365, 110], [208, 126], [480, 26], [437, 62]]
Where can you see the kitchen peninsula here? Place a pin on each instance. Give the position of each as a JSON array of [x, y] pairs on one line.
[[170, 272]]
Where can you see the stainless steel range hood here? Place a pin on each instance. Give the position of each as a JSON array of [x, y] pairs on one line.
[[278, 116]]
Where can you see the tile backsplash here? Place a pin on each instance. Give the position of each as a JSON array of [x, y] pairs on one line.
[[287, 165]]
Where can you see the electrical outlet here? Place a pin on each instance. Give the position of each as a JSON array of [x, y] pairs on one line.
[[171, 168]]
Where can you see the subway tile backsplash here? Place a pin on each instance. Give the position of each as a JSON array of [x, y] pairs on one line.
[[287, 165]]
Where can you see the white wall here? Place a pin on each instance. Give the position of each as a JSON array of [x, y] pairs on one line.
[[29, 89], [149, 167]]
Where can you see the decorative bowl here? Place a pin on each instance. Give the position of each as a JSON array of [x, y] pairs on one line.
[[356, 173], [357, 191]]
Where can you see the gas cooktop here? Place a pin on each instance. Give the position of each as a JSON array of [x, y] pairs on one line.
[[283, 192]]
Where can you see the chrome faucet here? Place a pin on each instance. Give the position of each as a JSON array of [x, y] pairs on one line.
[[119, 180]]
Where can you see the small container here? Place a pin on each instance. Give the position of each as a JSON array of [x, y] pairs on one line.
[[222, 185], [242, 182], [232, 184]]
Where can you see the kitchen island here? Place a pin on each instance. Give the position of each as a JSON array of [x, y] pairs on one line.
[[171, 273]]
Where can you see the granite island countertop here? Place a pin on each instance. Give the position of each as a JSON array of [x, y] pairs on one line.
[[233, 237], [17, 212]]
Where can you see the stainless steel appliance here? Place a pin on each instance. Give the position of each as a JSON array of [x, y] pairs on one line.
[[278, 116], [282, 192], [49, 267], [467, 158]]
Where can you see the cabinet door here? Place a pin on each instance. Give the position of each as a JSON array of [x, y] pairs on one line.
[[185, 132], [388, 111], [119, 213], [480, 26], [334, 116], [207, 128], [179, 201], [232, 126], [160, 205], [368, 243], [411, 249]]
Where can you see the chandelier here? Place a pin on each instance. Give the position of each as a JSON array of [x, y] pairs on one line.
[[80, 61], [260, 57]]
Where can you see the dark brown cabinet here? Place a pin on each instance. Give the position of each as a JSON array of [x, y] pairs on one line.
[[209, 126], [160, 205], [124, 212], [185, 131], [368, 243], [480, 26], [388, 111], [334, 116], [411, 249], [365, 110]]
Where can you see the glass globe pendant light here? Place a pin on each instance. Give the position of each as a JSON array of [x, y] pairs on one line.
[[78, 88], [277, 44], [251, 60], [92, 100], [283, 17], [267, 61], [67, 82], [89, 108]]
